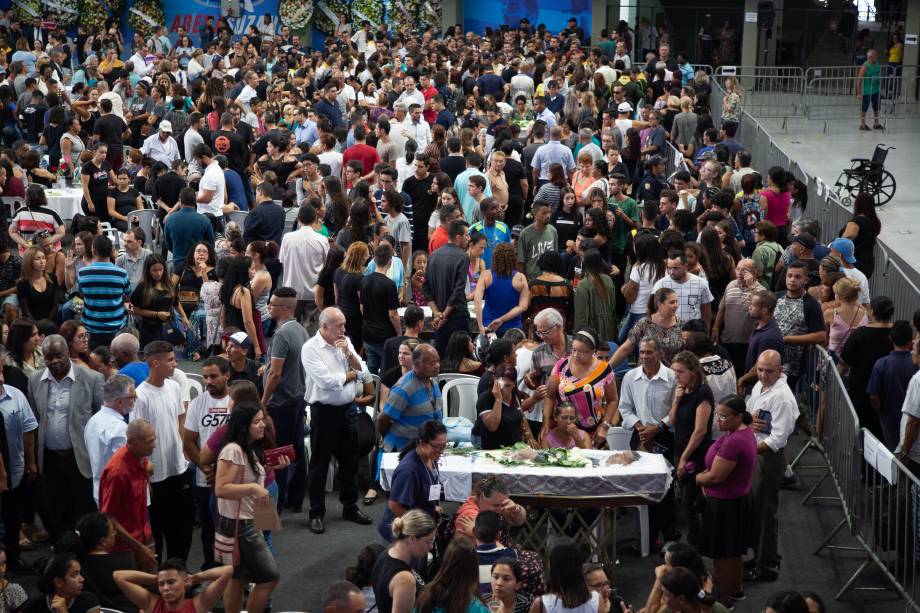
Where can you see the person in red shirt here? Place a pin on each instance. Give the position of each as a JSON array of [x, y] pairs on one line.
[[171, 582], [429, 91], [123, 492], [362, 152], [448, 212]]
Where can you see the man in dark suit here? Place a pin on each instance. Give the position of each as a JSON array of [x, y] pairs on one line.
[[64, 397]]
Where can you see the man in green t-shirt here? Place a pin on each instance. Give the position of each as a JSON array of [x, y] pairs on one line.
[[535, 239]]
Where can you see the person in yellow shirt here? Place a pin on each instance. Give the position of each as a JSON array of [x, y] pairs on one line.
[[110, 63]]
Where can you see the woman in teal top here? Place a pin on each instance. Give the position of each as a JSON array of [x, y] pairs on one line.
[[867, 88], [455, 589]]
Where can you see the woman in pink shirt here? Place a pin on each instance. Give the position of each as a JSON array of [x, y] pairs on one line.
[[730, 463], [566, 433], [776, 202]]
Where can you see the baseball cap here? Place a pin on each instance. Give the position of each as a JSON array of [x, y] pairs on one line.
[[624, 107], [240, 338], [655, 160], [166, 126], [516, 230], [805, 239], [844, 247]]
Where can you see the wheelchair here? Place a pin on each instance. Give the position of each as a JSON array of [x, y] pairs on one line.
[[867, 175]]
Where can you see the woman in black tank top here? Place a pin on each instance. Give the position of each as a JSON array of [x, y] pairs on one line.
[[395, 584]]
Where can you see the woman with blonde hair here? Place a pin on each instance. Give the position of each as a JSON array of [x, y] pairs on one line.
[[732, 101], [347, 280], [846, 316], [36, 287], [583, 178]]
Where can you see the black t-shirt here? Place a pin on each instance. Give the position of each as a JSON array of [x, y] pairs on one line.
[[864, 347], [126, 201], [33, 117], [514, 174], [249, 373], [390, 356], [231, 145], [97, 574], [391, 376], [422, 206], [453, 165], [52, 136], [160, 301], [81, 604], [110, 129], [378, 296], [167, 188], [509, 428], [567, 226], [349, 284], [98, 184], [686, 422]]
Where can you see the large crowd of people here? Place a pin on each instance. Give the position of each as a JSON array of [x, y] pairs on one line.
[[325, 229]]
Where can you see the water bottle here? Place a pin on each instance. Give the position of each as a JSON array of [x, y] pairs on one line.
[[62, 173]]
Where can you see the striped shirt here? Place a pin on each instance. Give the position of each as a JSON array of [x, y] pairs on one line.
[[104, 287], [409, 405], [29, 221]]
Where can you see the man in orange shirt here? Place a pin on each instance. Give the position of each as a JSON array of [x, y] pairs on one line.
[[448, 213]]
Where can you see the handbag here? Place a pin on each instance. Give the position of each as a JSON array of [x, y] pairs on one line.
[[226, 552], [173, 331]]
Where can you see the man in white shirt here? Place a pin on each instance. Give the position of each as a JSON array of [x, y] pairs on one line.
[[843, 248], [162, 146], [192, 139], [141, 68], [266, 26], [334, 369], [695, 299], [645, 398], [411, 95], [774, 409], [107, 430], [360, 38], [159, 401], [302, 255], [622, 55], [206, 413], [416, 128], [212, 188], [249, 90]]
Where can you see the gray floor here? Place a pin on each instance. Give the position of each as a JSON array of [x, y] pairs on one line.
[[309, 563], [826, 154]]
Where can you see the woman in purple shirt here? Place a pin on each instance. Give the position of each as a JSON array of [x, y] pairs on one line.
[[726, 482]]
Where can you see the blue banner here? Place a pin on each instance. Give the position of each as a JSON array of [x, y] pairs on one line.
[[190, 14], [480, 14]]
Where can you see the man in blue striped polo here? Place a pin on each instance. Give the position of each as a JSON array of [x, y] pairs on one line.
[[106, 290], [415, 399]]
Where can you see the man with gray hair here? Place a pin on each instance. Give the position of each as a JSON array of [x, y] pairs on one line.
[[64, 397], [106, 431], [125, 348], [586, 145], [334, 369], [123, 492], [343, 597], [549, 325]]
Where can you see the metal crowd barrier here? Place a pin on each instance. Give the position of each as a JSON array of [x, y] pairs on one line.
[[770, 91], [831, 92], [704, 67], [879, 497]]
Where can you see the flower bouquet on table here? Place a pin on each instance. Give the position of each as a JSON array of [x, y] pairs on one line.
[[295, 14], [522, 455], [144, 15]]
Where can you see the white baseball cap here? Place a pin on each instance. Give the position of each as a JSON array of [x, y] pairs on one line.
[[166, 126]]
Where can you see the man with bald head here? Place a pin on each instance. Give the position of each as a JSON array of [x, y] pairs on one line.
[[124, 349], [553, 152], [64, 397], [774, 409], [415, 399], [334, 371]]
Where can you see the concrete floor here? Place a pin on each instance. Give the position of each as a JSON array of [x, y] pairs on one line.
[[825, 154]]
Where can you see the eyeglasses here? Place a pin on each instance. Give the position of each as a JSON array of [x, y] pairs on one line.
[[599, 586], [721, 417], [544, 333]]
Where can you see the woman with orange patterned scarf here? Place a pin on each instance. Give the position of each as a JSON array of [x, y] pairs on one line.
[[588, 383]]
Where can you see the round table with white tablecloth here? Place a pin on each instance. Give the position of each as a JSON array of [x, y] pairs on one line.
[[65, 202]]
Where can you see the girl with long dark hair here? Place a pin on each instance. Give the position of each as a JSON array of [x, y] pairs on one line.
[[648, 268], [336, 204], [595, 301], [61, 587], [718, 265], [237, 298], [863, 229], [359, 227], [324, 290], [239, 487], [22, 343], [153, 299], [566, 588], [455, 587]]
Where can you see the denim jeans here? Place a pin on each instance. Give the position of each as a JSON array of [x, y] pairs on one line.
[[374, 355]]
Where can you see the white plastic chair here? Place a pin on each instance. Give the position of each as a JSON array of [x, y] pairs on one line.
[[194, 385], [13, 203], [454, 375], [465, 389], [145, 220], [618, 440], [376, 406]]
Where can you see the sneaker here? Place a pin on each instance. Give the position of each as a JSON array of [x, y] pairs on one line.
[[790, 483], [737, 596]]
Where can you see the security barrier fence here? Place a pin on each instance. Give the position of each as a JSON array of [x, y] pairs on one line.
[[878, 496]]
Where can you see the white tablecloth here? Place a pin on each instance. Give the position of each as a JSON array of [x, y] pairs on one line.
[[65, 202], [649, 477]]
